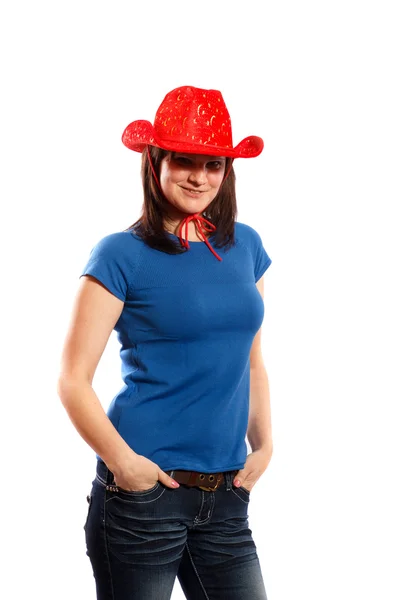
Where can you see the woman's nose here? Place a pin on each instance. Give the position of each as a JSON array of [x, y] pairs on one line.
[[198, 175]]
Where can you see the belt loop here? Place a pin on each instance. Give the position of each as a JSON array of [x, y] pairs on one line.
[[228, 480]]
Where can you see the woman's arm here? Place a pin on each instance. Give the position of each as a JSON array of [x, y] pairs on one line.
[[259, 431], [94, 315]]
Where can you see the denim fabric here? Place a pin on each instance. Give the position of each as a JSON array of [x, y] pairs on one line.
[[139, 542]]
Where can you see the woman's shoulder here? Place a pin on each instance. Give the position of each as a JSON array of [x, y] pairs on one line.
[[116, 240], [246, 233], [118, 247]]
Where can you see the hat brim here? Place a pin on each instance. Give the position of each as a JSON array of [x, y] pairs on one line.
[[139, 134]]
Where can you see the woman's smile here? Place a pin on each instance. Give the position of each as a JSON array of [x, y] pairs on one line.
[[193, 193]]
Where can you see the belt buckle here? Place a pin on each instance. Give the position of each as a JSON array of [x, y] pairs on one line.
[[211, 488], [208, 489]]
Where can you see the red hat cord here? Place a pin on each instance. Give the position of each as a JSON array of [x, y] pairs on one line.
[[197, 218]]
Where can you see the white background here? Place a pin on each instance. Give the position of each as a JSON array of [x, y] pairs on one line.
[[319, 81]]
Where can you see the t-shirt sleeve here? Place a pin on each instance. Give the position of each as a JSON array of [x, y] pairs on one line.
[[108, 264], [261, 258]]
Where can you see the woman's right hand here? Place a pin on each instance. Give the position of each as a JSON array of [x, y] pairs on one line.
[[138, 473]]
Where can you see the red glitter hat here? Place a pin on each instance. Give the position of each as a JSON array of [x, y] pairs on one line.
[[191, 120]]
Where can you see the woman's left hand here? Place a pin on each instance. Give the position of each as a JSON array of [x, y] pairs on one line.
[[256, 464]]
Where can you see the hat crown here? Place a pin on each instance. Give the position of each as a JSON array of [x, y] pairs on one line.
[[196, 116]]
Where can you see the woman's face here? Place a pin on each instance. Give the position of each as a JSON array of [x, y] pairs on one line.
[[191, 181]]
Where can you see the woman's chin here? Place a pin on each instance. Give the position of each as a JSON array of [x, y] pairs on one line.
[[189, 208]]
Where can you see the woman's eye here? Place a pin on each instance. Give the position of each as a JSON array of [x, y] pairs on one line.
[[182, 160]]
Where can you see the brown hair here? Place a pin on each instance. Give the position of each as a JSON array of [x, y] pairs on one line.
[[221, 212]]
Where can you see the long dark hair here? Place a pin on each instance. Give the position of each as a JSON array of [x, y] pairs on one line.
[[221, 212]]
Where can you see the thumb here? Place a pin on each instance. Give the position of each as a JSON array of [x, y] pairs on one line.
[[239, 478], [167, 480]]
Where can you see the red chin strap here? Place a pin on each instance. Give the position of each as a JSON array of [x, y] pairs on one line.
[[200, 222]]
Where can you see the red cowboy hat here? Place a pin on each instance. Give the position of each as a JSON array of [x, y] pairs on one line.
[[191, 120]]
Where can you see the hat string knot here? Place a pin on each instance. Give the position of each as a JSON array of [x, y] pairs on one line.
[[202, 226]]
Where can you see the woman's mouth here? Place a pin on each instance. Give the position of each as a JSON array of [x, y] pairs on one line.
[[193, 193]]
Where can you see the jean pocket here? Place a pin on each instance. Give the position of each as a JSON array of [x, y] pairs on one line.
[[242, 493], [139, 492], [119, 495]]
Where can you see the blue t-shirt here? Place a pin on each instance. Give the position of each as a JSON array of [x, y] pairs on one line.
[[185, 331]]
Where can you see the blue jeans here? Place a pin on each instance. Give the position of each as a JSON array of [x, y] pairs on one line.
[[139, 542]]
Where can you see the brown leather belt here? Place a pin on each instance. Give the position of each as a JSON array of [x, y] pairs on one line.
[[205, 481]]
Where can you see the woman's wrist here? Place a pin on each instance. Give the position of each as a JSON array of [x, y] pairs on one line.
[[118, 462]]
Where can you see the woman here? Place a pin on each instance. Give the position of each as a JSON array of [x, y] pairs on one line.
[[183, 288]]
